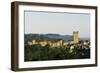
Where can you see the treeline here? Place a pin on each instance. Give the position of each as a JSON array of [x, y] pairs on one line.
[[39, 53]]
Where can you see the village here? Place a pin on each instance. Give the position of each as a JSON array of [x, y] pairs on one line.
[[62, 43]]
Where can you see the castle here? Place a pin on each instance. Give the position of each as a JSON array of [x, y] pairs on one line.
[[59, 43]]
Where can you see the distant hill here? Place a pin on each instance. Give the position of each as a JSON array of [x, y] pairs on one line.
[[84, 38], [58, 36], [28, 37], [51, 37]]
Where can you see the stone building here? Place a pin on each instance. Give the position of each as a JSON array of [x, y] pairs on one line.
[[59, 43], [75, 37]]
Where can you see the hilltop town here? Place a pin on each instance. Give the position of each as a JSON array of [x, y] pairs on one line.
[[61, 43]]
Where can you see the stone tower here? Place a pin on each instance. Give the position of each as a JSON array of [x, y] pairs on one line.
[[75, 37]]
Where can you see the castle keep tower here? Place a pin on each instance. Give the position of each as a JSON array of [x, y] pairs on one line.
[[75, 37]]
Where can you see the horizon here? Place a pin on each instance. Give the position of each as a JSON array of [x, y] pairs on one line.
[[55, 34]]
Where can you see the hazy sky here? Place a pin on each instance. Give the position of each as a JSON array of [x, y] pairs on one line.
[[59, 23]]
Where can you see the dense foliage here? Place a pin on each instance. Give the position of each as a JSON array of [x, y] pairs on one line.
[[39, 53]]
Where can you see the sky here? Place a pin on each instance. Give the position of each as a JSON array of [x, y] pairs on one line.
[[57, 23]]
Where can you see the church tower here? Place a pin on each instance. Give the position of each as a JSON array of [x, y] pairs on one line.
[[75, 37]]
